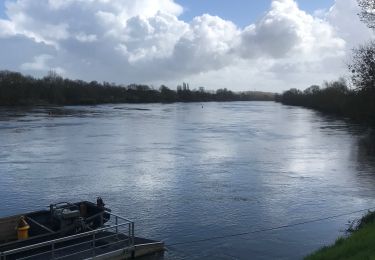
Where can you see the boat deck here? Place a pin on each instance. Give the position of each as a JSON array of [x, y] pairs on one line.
[[114, 240]]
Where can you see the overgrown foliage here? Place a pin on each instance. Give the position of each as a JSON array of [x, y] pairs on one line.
[[17, 89]]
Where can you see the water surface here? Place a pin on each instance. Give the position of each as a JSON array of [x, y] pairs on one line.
[[183, 172]]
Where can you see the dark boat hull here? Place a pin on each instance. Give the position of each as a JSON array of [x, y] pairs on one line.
[[47, 224], [74, 231]]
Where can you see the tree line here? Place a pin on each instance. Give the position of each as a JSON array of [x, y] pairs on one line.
[[336, 98], [18, 89], [354, 99]]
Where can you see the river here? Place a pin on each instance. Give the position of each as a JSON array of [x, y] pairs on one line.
[[187, 172]]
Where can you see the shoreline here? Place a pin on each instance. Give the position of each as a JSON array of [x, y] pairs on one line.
[[359, 244]]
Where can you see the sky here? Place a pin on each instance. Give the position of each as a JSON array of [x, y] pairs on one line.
[[264, 45], [243, 12]]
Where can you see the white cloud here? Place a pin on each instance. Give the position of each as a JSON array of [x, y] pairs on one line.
[[17, 49], [288, 31], [206, 45], [82, 37], [41, 63], [343, 17], [145, 41], [6, 29]]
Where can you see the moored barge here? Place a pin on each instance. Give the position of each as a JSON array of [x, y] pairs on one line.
[[82, 230]]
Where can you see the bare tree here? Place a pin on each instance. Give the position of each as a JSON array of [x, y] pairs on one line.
[[363, 62], [363, 67], [367, 14], [53, 76]]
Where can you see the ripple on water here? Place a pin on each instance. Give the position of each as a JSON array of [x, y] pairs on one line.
[[186, 173]]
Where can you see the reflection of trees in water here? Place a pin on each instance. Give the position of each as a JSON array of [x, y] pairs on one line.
[[366, 144], [363, 164], [11, 113], [366, 153]]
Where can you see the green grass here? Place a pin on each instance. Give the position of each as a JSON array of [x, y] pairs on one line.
[[359, 245]]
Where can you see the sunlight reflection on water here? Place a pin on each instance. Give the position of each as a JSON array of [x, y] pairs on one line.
[[185, 173]]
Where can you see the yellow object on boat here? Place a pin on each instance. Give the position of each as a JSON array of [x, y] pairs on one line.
[[23, 229]]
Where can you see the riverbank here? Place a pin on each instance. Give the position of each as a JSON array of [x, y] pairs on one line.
[[335, 98], [360, 244]]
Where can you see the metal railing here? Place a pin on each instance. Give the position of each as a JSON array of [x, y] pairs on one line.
[[116, 234]]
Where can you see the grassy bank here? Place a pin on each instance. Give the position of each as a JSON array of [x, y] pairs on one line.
[[360, 244]]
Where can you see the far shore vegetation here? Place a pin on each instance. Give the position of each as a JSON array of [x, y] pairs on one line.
[[17, 90], [335, 98]]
